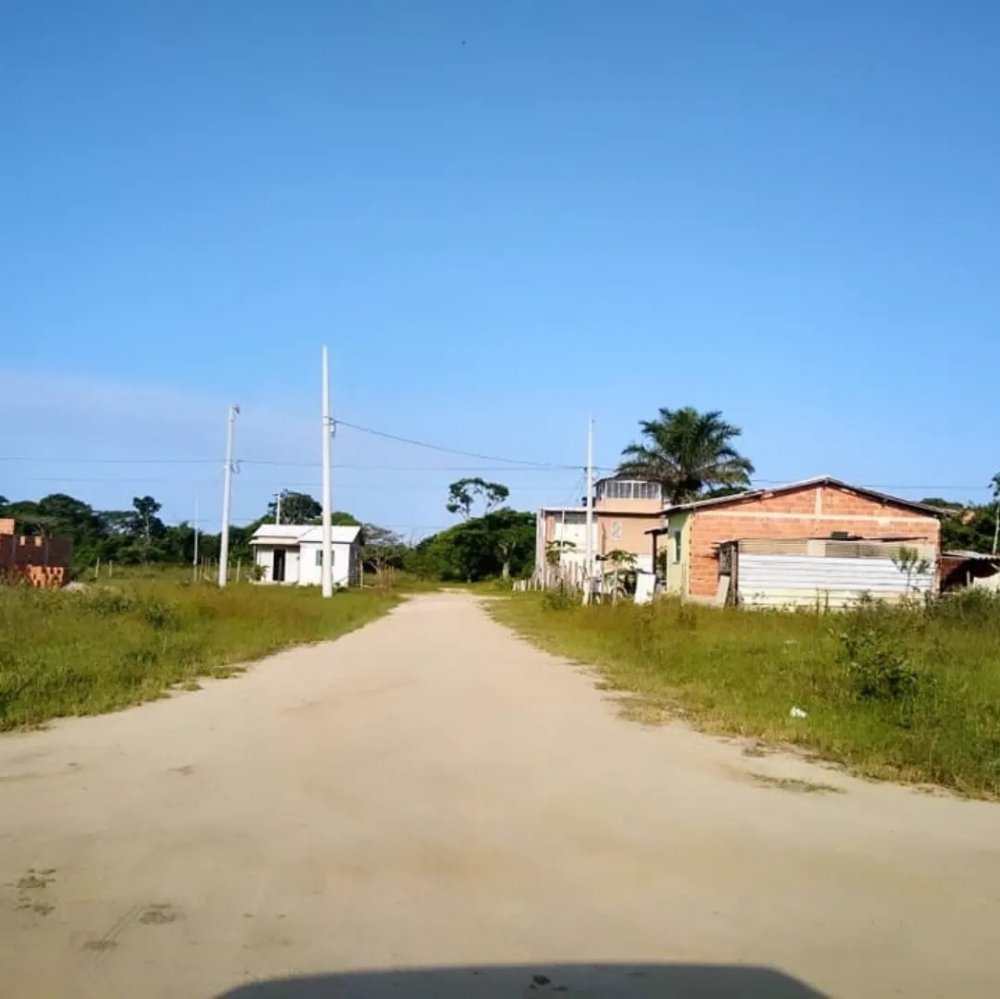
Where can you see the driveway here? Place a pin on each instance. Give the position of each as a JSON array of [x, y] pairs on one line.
[[433, 793]]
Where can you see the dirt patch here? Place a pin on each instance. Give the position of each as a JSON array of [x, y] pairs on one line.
[[158, 915], [794, 784], [34, 880]]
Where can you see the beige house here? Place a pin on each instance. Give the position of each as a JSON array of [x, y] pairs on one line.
[[625, 510]]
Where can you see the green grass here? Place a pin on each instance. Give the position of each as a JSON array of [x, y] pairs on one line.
[[106, 647], [910, 694]]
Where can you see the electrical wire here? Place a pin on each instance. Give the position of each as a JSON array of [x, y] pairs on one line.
[[451, 450]]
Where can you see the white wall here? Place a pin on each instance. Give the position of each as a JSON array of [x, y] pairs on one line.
[[264, 557], [311, 574]]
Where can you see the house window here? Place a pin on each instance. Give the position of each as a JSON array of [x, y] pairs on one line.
[[677, 546], [629, 489], [616, 530], [319, 558]]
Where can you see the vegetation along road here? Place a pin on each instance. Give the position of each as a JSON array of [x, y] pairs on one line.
[[431, 791]]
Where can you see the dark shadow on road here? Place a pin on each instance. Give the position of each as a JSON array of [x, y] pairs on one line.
[[617, 981]]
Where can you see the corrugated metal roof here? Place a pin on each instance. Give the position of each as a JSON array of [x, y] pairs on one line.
[[291, 534], [281, 530], [341, 534], [819, 480]]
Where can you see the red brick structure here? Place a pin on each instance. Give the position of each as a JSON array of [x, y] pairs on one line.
[[816, 508], [32, 559]]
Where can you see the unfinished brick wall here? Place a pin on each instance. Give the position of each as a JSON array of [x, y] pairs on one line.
[[810, 512], [35, 560]]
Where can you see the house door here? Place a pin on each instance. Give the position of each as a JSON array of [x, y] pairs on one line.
[[278, 568]]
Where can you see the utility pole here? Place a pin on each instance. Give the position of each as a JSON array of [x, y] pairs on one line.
[[194, 560], [227, 489], [995, 482], [588, 565], [277, 505], [327, 569]]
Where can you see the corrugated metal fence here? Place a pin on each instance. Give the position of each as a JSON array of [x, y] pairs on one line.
[[830, 573]]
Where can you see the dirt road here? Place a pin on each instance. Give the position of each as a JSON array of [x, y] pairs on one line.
[[432, 792]]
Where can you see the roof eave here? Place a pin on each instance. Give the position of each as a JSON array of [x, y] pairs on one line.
[[819, 480]]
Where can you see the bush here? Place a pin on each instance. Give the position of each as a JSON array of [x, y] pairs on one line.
[[106, 601], [878, 670], [973, 605], [559, 600], [158, 613]]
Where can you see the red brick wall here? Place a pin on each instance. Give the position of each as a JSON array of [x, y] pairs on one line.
[[36, 560], [794, 515]]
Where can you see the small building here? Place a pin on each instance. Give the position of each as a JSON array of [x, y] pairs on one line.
[[961, 569], [35, 559], [701, 546], [625, 510], [292, 554]]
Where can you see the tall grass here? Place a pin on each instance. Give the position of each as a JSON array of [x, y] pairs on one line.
[[105, 647], [909, 693]]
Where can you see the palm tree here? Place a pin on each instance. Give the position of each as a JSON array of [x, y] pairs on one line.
[[688, 452]]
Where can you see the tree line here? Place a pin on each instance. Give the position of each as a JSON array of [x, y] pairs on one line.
[[138, 536], [692, 455], [688, 452]]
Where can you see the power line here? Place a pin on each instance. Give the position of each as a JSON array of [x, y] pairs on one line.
[[287, 464], [303, 484], [451, 450], [116, 461]]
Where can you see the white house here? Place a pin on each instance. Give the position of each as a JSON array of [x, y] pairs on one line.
[[292, 554]]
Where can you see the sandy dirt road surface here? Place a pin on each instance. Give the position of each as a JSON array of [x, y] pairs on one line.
[[433, 793]]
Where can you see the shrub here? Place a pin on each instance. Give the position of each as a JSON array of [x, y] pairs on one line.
[[877, 664], [559, 600], [158, 613], [973, 605], [106, 601]]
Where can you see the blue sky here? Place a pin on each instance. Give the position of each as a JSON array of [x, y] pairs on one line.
[[502, 218]]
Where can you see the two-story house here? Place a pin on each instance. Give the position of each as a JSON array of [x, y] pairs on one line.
[[624, 510]]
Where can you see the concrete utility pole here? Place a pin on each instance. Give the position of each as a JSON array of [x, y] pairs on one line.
[[227, 490], [194, 560], [277, 505], [588, 565], [327, 569]]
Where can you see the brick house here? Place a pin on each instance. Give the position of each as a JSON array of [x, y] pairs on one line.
[[33, 559], [693, 534]]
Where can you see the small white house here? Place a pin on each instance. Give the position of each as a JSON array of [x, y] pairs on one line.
[[292, 554]]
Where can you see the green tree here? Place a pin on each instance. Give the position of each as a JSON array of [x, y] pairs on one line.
[[147, 525], [65, 516], [463, 493], [501, 543], [687, 452], [382, 549], [29, 520], [296, 508], [514, 538]]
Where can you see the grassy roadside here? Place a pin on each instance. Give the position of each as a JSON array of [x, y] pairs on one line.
[[106, 647], [908, 694]]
